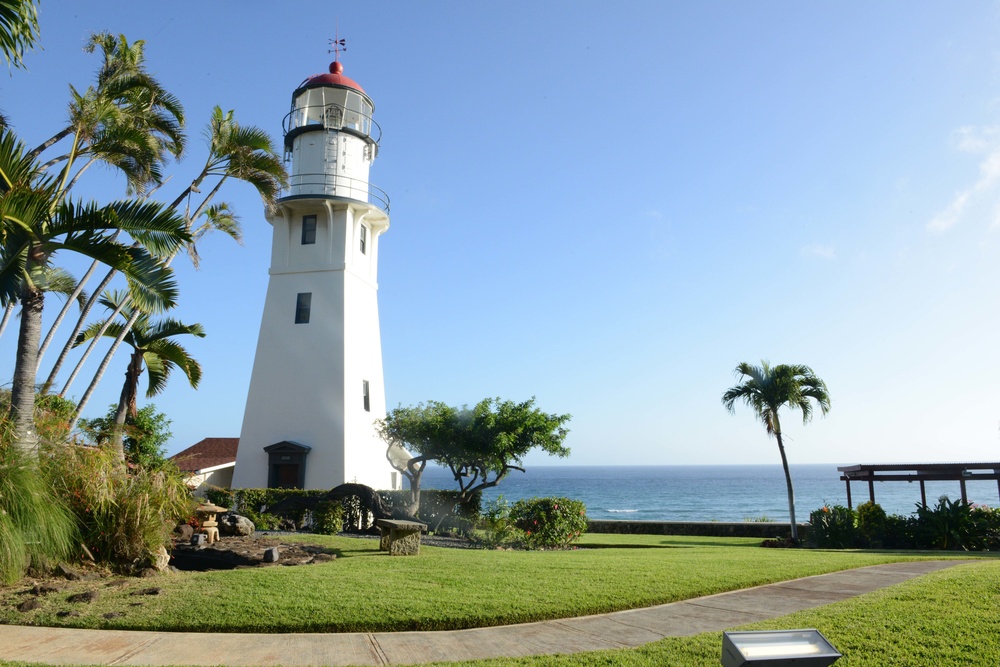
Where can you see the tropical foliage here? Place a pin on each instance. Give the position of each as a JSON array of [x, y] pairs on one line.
[[18, 30], [153, 348], [36, 526], [145, 435], [766, 389]]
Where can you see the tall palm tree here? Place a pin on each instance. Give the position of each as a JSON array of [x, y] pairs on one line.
[[36, 222], [235, 152], [127, 121], [18, 30], [765, 389], [152, 347]]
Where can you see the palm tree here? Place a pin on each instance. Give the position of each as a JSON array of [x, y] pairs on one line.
[[18, 30], [152, 347], [127, 121], [36, 222], [241, 153], [765, 389]]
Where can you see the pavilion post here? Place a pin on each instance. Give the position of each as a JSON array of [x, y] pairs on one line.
[[871, 490], [965, 497], [923, 494], [848, 483]]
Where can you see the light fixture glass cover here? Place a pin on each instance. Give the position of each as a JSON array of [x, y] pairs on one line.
[[777, 648]]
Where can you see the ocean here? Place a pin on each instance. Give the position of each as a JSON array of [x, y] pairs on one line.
[[708, 493]]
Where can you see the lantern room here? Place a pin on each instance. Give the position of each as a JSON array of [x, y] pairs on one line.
[[331, 139]]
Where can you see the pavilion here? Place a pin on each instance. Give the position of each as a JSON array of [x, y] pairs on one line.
[[918, 472]]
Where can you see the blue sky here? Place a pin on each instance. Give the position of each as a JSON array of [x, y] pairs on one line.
[[609, 207]]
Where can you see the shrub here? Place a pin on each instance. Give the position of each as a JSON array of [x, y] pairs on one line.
[[328, 518], [985, 527], [36, 526], [948, 525], [125, 514], [549, 523], [872, 522], [498, 528], [832, 527]]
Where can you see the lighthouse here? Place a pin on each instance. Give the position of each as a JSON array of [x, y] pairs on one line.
[[317, 386]]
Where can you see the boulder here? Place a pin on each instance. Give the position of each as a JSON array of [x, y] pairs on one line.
[[183, 532], [271, 555], [234, 524], [160, 560]]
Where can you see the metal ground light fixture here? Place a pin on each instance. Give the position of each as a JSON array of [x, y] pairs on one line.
[[777, 648]]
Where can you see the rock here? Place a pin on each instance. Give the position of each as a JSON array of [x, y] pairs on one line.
[[87, 596], [148, 572], [74, 575], [199, 539], [234, 524], [183, 532], [147, 591], [29, 604], [113, 614], [160, 559], [44, 589], [64, 613], [271, 555]]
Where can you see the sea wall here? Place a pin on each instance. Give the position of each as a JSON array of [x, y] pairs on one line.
[[761, 529]]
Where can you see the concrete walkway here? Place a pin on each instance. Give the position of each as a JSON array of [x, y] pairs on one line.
[[624, 629]]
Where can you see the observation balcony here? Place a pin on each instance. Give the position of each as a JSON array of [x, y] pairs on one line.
[[334, 185]]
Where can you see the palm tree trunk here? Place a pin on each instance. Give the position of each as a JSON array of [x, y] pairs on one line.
[[6, 315], [65, 309], [103, 367], [51, 142], [90, 348], [22, 399], [80, 322], [126, 403], [788, 484]]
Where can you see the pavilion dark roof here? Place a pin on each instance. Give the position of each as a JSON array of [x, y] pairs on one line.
[[208, 453]]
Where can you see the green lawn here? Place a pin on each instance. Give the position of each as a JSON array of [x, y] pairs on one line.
[[365, 590], [944, 619]]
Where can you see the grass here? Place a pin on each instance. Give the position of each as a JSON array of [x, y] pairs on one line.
[[365, 590], [945, 619]]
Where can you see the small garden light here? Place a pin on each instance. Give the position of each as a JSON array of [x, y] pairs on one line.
[[777, 648]]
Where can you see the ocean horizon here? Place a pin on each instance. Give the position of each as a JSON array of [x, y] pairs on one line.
[[709, 492]]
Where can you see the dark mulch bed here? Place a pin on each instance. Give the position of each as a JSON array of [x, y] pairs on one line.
[[233, 552]]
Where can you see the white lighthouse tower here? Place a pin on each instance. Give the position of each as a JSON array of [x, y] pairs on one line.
[[317, 386]]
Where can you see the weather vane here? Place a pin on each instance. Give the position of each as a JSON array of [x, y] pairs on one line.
[[338, 46]]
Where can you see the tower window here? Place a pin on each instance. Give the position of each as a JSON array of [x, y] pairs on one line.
[[364, 391], [302, 307], [364, 239], [308, 229]]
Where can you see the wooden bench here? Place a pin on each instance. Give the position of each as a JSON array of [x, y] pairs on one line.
[[400, 538]]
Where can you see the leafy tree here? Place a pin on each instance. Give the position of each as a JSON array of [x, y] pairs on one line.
[[146, 435], [18, 30], [765, 389], [153, 347], [479, 446], [36, 223]]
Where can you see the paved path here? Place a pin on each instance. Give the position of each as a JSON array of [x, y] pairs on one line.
[[624, 629]]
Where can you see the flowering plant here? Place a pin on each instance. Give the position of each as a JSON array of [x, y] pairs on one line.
[[549, 523]]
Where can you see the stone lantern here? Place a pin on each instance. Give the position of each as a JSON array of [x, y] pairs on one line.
[[209, 526]]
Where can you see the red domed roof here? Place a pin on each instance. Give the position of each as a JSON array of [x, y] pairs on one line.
[[334, 78]]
